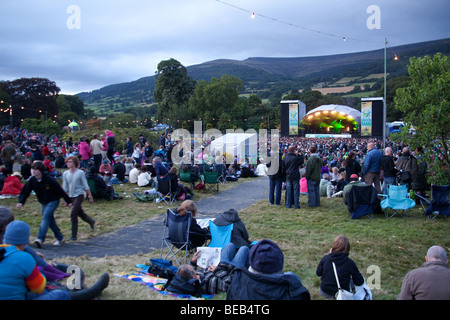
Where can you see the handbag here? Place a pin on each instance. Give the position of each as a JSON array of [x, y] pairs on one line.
[[341, 294]]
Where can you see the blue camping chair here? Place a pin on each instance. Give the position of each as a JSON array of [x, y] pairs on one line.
[[397, 200], [176, 235], [439, 203], [220, 236]]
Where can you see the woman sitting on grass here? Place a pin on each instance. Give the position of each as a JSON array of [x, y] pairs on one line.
[[345, 268]]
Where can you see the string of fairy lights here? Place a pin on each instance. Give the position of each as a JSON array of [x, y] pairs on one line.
[[254, 15]]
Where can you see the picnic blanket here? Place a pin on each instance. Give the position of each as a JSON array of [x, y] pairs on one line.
[[157, 284]]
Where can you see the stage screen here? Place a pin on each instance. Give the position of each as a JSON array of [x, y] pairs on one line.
[[372, 116], [291, 112]]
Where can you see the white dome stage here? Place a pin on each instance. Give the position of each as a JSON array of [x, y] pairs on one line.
[[331, 119]]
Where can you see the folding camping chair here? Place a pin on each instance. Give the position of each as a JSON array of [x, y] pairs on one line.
[[176, 235], [221, 172], [220, 236], [186, 177], [165, 192], [439, 203], [397, 199], [362, 201], [209, 180]]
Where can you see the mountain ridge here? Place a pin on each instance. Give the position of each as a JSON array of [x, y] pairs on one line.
[[262, 73]]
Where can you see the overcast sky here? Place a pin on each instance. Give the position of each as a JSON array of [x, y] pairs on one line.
[[85, 45]]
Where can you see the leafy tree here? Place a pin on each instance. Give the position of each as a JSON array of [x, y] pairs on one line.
[[31, 98], [173, 87], [41, 126], [71, 103], [217, 102], [425, 105]]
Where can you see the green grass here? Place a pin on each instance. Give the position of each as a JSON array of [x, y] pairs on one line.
[[394, 245]]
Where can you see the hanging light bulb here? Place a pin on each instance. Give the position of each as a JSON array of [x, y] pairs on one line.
[[395, 57], [253, 15]]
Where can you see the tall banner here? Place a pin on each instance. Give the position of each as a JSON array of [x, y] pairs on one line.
[[293, 119], [366, 118]]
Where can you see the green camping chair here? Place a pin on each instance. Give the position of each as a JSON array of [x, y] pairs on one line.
[[211, 181]]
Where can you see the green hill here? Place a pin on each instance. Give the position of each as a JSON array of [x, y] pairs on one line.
[[263, 76]]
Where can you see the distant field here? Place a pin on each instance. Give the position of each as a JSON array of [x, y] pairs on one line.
[[334, 89]]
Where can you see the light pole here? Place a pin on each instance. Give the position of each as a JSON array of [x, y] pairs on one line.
[[384, 99]]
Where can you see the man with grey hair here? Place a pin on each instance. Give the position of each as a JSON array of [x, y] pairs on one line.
[[429, 282]]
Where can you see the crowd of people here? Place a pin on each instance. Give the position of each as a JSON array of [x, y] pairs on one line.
[[330, 167], [316, 168]]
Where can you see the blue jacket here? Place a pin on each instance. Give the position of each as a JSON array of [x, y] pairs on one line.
[[372, 162], [246, 285]]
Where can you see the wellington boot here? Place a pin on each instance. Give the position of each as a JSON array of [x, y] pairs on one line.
[[92, 292]]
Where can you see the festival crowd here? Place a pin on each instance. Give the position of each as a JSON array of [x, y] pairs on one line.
[[317, 167]]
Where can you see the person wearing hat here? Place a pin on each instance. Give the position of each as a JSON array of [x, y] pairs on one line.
[[48, 192], [21, 278], [52, 273], [106, 170], [12, 185], [8, 154], [354, 181], [264, 279]]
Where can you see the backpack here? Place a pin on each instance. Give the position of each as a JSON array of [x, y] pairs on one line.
[[200, 186], [162, 268]]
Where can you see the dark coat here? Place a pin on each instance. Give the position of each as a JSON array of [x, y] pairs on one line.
[[291, 165], [239, 235], [352, 167], [345, 268], [388, 166], [279, 174], [246, 285], [47, 190], [183, 286], [119, 170]]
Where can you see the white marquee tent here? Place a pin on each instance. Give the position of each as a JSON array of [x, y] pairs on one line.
[[236, 144]]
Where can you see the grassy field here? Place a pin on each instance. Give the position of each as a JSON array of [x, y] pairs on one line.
[[395, 246]]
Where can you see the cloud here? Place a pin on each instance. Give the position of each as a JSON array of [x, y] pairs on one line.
[[121, 41]]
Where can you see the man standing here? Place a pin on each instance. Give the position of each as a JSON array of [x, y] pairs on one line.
[[96, 150], [313, 166], [276, 177], [291, 165], [8, 155], [48, 192], [372, 166], [407, 164], [75, 184], [388, 166], [429, 282]]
